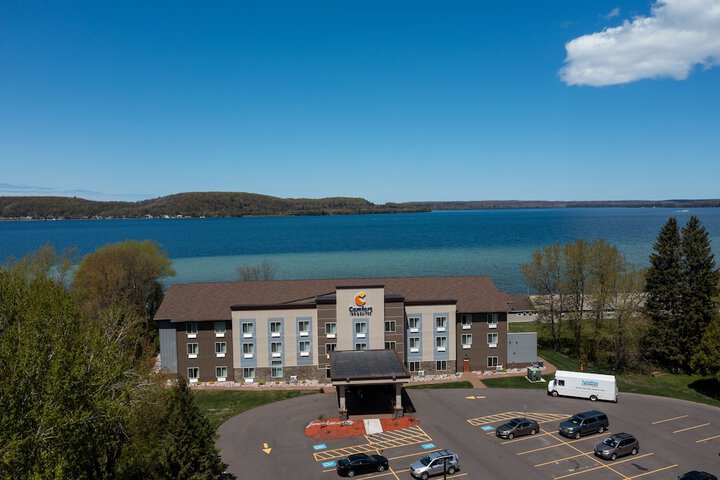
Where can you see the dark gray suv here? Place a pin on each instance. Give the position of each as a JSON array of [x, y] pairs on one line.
[[617, 445], [584, 424]]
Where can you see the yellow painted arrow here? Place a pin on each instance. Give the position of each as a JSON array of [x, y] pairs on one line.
[[474, 397], [266, 449]]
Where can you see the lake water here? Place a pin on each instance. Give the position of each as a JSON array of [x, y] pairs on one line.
[[483, 242]]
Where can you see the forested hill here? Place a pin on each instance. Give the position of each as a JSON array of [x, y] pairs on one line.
[[196, 204], [514, 204]]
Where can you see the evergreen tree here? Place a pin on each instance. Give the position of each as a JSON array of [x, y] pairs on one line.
[[663, 285], [699, 288], [187, 450], [706, 360]]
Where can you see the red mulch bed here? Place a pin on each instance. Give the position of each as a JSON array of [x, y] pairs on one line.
[[332, 428]]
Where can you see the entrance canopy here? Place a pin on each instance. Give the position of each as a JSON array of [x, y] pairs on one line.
[[367, 367]]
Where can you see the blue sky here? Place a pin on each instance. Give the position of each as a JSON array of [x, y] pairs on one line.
[[390, 101]]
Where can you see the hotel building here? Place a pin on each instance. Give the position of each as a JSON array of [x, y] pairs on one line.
[[286, 329]]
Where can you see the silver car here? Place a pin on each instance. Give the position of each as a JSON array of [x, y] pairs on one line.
[[435, 463], [617, 445]]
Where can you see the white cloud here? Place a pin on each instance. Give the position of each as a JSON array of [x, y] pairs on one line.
[[613, 13], [677, 36]]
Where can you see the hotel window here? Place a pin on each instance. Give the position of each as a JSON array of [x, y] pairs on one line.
[[304, 349], [466, 339], [248, 373], [390, 326], [327, 372], [193, 374], [441, 365], [221, 373], [219, 329], [330, 330], [220, 349], [276, 369], [191, 328], [466, 321], [192, 349], [276, 349], [304, 328], [440, 323], [248, 329], [492, 339], [441, 343], [414, 324], [414, 366], [492, 361], [330, 347], [275, 329], [361, 346], [248, 350], [360, 329], [492, 320], [390, 345], [414, 344]]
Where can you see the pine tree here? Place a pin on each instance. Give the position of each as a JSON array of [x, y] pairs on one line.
[[706, 360], [699, 288], [663, 285], [188, 445]]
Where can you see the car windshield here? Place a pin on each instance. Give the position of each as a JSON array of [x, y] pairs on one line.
[[575, 420], [610, 442], [514, 422], [344, 462], [425, 460]]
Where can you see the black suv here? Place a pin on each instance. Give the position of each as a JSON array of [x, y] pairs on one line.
[[695, 475], [584, 424]]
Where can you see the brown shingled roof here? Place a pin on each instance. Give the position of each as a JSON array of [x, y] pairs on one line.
[[521, 303], [212, 301]]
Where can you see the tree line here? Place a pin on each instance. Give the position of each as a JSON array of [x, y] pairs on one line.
[[81, 397], [599, 308]]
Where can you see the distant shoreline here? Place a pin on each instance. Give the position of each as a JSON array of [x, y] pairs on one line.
[[241, 205]]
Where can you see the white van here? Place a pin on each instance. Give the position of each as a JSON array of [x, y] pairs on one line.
[[583, 385]]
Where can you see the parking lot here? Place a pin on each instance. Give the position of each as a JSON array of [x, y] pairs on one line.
[[675, 436]]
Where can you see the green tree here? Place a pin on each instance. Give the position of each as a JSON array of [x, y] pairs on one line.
[[575, 284], [544, 274], [706, 360], [266, 270], [44, 263], [663, 284], [187, 450], [121, 281]]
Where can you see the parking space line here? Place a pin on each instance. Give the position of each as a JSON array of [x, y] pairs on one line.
[[652, 471], [499, 417], [691, 428], [599, 462], [603, 465], [562, 442], [563, 459], [527, 437], [415, 435], [423, 452], [706, 439], [668, 420]]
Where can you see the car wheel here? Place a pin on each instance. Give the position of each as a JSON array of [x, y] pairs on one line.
[[593, 398], [451, 470], [613, 456], [577, 435], [510, 436], [351, 473], [425, 476], [601, 429], [554, 393], [634, 451], [533, 432], [381, 468]]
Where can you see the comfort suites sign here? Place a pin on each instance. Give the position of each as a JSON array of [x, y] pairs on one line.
[[360, 309]]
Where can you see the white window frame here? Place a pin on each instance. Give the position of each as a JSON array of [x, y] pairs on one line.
[[414, 343], [248, 350], [304, 328], [392, 324], [191, 328], [275, 332], [390, 345], [194, 351], [492, 320], [414, 366], [490, 336], [330, 329], [220, 332], [246, 374], [193, 374], [413, 323], [329, 349], [304, 352], [361, 329], [247, 332], [441, 344], [492, 361], [466, 321], [276, 349], [441, 365], [276, 367], [466, 340], [220, 354], [361, 345], [220, 378], [440, 323]]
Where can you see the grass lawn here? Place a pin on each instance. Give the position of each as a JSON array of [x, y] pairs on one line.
[[219, 405], [522, 327], [461, 384]]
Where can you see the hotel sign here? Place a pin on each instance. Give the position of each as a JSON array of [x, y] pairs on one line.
[[360, 309]]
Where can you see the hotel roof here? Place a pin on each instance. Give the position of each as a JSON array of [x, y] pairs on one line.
[[213, 301]]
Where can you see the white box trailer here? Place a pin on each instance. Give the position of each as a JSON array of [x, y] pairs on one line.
[[583, 385]]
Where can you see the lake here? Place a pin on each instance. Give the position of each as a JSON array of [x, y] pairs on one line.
[[478, 242]]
